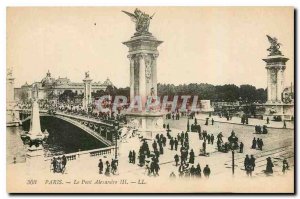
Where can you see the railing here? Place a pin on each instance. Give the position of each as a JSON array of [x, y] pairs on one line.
[[88, 119], [89, 153], [87, 129]]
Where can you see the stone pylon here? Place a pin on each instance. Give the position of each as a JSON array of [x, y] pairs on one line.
[[35, 131], [143, 55], [35, 155], [87, 99]]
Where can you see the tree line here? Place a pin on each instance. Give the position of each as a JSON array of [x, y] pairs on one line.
[[218, 93]]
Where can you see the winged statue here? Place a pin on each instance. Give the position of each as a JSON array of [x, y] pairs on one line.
[[141, 20], [275, 46]]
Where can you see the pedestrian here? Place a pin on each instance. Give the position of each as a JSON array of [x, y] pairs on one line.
[[172, 143], [156, 168], [219, 145], [246, 162], [192, 171], [176, 144], [284, 124], [130, 156], [208, 139], [186, 135], [107, 170], [154, 145], [206, 171], [164, 140], [176, 158], [269, 167], [192, 157], [161, 149], [261, 144], [268, 120], [253, 143], [198, 171], [212, 121], [204, 147], [285, 166], [64, 162], [252, 162], [133, 157], [206, 122], [220, 137], [54, 163], [212, 137], [241, 147], [100, 166]]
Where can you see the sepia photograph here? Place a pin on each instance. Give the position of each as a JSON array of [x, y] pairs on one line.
[[150, 99]]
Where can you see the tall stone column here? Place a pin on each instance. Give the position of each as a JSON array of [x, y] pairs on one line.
[[278, 86], [142, 79], [281, 83], [154, 74], [269, 84], [132, 78]]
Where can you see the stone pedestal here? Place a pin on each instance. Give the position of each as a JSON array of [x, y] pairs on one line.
[[147, 124], [35, 160], [285, 111]]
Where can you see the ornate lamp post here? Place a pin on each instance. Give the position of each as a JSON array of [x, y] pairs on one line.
[[116, 128]]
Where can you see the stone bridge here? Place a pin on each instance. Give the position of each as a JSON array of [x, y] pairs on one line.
[[101, 130]]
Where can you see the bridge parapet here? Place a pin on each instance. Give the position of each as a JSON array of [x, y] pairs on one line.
[[89, 153]]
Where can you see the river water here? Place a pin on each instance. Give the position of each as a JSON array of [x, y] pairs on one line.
[[63, 138]]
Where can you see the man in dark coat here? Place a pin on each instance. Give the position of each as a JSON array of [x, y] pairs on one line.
[[269, 167], [154, 145], [133, 157], [253, 143], [204, 147], [208, 139], [246, 162], [100, 165], [206, 171], [130, 156], [64, 162], [176, 144], [241, 147], [176, 158], [192, 157], [252, 162], [172, 143], [212, 138]]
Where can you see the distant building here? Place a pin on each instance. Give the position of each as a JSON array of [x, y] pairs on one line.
[[51, 88]]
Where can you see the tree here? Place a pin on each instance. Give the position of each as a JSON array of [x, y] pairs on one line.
[[248, 93]]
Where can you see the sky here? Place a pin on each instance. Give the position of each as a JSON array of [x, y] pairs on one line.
[[214, 45]]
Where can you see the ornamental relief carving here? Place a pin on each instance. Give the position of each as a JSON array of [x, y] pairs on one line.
[[148, 63]]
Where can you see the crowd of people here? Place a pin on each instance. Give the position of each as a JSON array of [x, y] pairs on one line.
[[110, 168], [58, 164], [257, 144]]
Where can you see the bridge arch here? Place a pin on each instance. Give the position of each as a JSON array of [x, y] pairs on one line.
[[81, 123]]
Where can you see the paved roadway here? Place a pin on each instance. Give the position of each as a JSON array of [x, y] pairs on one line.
[[278, 144]]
